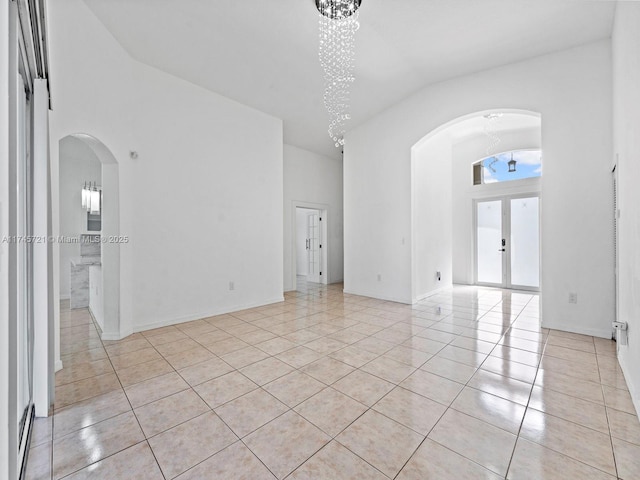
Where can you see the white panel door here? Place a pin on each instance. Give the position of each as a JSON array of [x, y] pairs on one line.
[[314, 248]]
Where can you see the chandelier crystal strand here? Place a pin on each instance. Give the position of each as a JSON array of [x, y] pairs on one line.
[[338, 23], [491, 132]]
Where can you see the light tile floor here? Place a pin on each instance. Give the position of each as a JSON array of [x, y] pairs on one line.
[[463, 385]]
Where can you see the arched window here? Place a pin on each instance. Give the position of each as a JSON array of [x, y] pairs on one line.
[[507, 166]]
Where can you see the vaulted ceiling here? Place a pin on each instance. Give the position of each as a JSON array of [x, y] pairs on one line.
[[264, 53]]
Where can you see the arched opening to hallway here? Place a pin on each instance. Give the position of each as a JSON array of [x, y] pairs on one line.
[[88, 247]]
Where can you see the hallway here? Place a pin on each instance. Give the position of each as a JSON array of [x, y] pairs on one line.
[[464, 384]]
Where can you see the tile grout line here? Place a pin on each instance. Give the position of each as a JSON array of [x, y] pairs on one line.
[[392, 321], [613, 450], [134, 415], [450, 407], [106, 419]]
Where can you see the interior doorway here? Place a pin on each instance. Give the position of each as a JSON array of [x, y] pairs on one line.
[[507, 241], [310, 246], [90, 264], [481, 156]]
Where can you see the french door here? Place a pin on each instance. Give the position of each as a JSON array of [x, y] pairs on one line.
[[507, 242]]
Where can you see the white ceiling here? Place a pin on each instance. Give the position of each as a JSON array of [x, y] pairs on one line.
[[263, 53]]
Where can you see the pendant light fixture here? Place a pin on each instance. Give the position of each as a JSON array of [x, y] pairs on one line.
[[95, 201], [86, 193], [91, 198]]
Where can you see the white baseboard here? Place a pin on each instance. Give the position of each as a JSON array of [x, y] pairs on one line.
[[65, 297], [58, 365], [431, 293], [198, 316], [572, 328], [113, 336], [378, 296], [631, 370], [634, 391]]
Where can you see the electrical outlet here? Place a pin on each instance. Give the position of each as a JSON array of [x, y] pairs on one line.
[[232, 286], [573, 297], [379, 277]]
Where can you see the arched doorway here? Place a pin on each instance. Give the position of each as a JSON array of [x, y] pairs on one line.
[[444, 196], [107, 267]]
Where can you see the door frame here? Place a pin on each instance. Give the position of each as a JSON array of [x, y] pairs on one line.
[[615, 171], [506, 234], [324, 213]]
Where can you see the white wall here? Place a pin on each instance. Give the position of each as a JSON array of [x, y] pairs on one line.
[[202, 203], [78, 164], [466, 152], [572, 91], [626, 123], [313, 180], [432, 215], [302, 264]]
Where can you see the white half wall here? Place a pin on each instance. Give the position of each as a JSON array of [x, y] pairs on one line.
[[571, 90], [315, 181], [626, 125], [201, 205], [78, 164]]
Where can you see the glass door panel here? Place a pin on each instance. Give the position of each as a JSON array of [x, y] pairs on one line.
[[525, 242], [24, 274], [489, 246]]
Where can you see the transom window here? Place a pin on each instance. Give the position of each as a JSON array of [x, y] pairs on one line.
[[507, 166]]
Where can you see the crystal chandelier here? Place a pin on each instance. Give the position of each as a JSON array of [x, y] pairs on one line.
[[338, 21]]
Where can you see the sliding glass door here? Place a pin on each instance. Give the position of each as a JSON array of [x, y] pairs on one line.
[[24, 269]]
